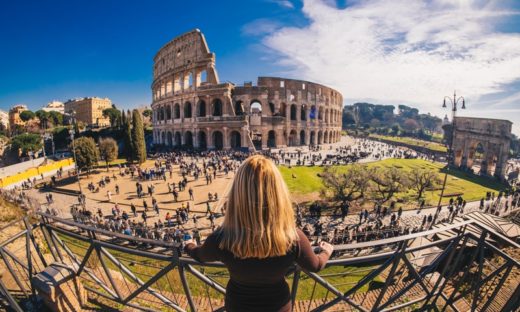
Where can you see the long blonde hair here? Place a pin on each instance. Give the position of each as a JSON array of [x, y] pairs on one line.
[[259, 221]]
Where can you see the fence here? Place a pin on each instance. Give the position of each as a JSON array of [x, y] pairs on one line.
[[471, 268]]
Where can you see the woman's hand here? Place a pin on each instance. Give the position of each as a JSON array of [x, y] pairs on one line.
[[327, 248]]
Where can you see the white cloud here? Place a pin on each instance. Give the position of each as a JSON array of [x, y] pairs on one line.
[[403, 51], [259, 27], [283, 3]]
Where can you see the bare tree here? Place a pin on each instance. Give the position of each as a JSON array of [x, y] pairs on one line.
[[386, 182], [346, 185], [421, 179]]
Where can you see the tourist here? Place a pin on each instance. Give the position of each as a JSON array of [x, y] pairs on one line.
[[259, 258]]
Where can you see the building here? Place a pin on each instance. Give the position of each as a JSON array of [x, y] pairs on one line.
[[192, 108], [89, 110], [4, 120], [14, 116], [482, 143], [55, 106]]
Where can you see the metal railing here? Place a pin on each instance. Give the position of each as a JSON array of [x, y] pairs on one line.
[[461, 267]]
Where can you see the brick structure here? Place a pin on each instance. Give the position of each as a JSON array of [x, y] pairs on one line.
[[14, 116], [192, 108], [489, 137], [89, 110]]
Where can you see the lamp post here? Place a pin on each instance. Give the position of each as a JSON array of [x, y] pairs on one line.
[[451, 155], [71, 132]]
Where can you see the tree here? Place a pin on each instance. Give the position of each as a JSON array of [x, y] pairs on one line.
[[27, 115], [86, 153], [421, 179], [345, 186], [138, 143], [127, 128], [56, 118], [43, 116], [123, 118], [410, 124], [113, 114], [27, 142], [108, 149], [147, 113], [386, 182]]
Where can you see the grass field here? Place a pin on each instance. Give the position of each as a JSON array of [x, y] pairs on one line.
[[472, 188], [436, 147]]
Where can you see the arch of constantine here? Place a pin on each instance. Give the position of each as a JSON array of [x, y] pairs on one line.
[[192, 108], [487, 140]]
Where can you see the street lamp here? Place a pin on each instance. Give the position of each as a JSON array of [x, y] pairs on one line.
[[454, 103], [71, 132], [451, 155]]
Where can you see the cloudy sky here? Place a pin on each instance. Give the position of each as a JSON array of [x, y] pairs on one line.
[[392, 52]]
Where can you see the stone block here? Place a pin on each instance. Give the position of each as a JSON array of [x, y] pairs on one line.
[[60, 288]]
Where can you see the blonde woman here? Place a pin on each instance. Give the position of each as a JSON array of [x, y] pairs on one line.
[[258, 240]]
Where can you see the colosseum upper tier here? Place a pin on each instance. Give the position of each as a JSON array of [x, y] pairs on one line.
[[193, 109]]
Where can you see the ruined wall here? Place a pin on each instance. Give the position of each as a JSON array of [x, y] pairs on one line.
[[493, 136], [191, 108]]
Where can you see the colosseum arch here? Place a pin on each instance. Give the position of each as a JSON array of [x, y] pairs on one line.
[[178, 139], [168, 112], [202, 140], [216, 107], [283, 109], [177, 111], [255, 106], [272, 108], [235, 139], [302, 137], [293, 112], [188, 139], [187, 110], [494, 138], [169, 139], [312, 138], [239, 108], [303, 112], [293, 138], [218, 140], [271, 138], [201, 108]]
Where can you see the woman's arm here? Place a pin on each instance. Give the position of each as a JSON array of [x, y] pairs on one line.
[[206, 253], [306, 257]]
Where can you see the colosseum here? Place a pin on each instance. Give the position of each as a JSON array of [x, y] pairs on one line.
[[193, 109]]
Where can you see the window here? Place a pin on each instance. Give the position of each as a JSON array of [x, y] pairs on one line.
[[282, 84], [303, 86]]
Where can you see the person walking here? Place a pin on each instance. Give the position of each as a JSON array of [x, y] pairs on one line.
[[259, 258]]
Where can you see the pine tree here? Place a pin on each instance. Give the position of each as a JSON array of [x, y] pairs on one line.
[[123, 118], [129, 149], [138, 137]]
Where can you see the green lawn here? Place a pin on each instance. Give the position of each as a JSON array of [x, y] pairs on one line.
[[471, 187], [436, 147], [102, 163]]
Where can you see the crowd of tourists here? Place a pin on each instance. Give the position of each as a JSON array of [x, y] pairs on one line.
[[337, 225]]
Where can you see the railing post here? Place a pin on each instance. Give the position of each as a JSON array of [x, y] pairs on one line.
[[294, 288], [187, 291]]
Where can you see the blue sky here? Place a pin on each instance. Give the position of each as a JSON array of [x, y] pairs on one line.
[[417, 54]]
